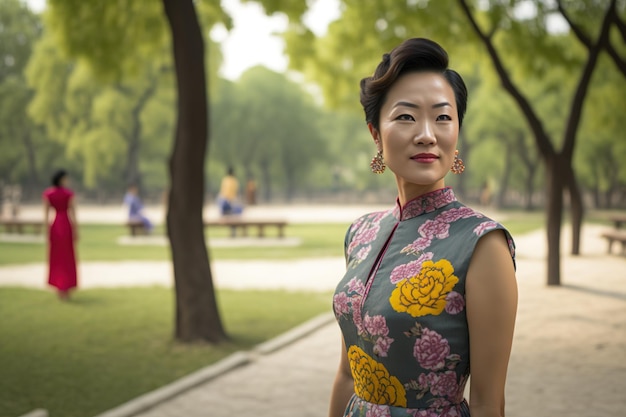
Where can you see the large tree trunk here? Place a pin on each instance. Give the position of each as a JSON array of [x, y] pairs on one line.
[[197, 315], [555, 216]]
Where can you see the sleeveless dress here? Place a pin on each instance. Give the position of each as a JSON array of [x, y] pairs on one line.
[[61, 256], [401, 306]]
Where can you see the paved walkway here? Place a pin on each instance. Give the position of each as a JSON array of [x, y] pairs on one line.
[[568, 359]]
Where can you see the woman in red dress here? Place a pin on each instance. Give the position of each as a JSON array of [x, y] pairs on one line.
[[62, 234]]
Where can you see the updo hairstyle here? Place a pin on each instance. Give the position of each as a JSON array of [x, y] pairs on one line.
[[412, 55]]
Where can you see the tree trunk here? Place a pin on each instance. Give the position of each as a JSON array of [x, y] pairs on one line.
[[555, 214], [133, 176], [530, 187], [197, 315], [506, 175], [266, 179], [33, 175], [577, 207]]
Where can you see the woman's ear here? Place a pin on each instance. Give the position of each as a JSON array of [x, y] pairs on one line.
[[375, 135]]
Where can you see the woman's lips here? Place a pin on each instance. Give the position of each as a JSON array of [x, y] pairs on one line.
[[425, 157]]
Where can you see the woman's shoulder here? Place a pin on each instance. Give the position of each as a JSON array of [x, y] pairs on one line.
[[479, 225]]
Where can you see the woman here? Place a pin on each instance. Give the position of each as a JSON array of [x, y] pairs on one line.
[[430, 288], [62, 234]]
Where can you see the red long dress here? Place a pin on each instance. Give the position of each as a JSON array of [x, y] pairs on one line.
[[61, 256]]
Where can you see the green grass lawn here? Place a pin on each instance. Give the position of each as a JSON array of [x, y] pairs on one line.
[[100, 243], [108, 346]]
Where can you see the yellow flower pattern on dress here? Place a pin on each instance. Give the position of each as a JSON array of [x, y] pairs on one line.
[[372, 381], [425, 293]]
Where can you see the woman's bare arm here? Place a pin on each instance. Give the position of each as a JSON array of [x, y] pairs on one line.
[[491, 293], [343, 387]]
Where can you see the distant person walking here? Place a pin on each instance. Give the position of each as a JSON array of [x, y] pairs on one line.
[[227, 197], [62, 233], [135, 208]]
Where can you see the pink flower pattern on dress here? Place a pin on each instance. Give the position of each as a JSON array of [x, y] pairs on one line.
[[417, 247], [434, 229], [443, 384], [376, 330], [376, 410], [485, 226], [406, 271], [356, 286], [364, 236], [363, 252], [455, 303], [431, 350], [425, 204], [341, 302]]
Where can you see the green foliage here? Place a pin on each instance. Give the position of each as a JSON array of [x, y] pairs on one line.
[[24, 153], [266, 127], [602, 148], [115, 38], [108, 346]]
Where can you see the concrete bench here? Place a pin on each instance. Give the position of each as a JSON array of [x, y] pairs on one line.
[[21, 226], [238, 224], [615, 236]]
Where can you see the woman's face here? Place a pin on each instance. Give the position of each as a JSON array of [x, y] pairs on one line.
[[418, 132]]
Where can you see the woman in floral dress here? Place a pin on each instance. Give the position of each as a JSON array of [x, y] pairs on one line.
[[430, 289]]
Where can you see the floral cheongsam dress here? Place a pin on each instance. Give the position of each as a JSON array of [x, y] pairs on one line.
[[401, 307]]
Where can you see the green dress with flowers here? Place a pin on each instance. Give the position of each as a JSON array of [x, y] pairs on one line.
[[401, 306]]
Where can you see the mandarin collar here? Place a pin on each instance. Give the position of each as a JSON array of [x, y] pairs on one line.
[[425, 203]]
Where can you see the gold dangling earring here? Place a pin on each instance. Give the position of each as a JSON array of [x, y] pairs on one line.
[[378, 164], [457, 166]]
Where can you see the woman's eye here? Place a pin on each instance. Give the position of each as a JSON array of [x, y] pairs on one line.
[[405, 117], [443, 117]]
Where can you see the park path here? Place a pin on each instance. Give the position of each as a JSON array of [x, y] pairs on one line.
[[568, 359]]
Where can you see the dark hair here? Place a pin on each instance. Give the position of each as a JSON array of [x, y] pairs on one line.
[[58, 176], [412, 55]]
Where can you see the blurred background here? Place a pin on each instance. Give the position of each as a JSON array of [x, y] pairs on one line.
[[96, 95]]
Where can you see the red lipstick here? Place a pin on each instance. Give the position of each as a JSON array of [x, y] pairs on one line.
[[425, 157]]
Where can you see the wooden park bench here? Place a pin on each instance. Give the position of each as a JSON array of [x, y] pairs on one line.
[[242, 225], [20, 226], [615, 236], [136, 228], [618, 220]]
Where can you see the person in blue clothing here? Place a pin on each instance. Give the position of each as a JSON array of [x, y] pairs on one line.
[[429, 291], [135, 208]]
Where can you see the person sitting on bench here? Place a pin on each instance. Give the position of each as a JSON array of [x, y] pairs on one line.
[[229, 189], [135, 208]]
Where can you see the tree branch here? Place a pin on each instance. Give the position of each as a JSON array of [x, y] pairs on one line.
[[583, 85], [585, 40], [582, 37], [621, 26], [541, 138]]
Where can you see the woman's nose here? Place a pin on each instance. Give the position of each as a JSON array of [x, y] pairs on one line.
[[425, 134]]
